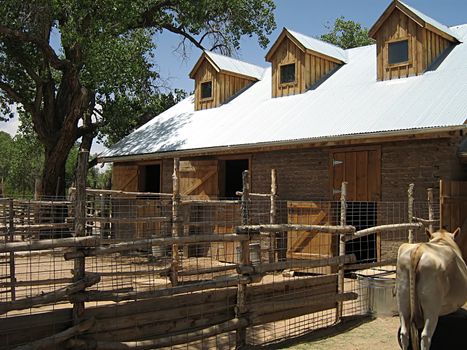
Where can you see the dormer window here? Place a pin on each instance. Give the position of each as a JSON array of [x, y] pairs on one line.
[[206, 90], [288, 73], [408, 42], [398, 52], [219, 78]]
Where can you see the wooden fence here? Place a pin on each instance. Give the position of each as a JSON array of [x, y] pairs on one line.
[[81, 311]]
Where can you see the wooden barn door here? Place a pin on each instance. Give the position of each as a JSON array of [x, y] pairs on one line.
[[199, 179], [124, 178], [361, 169], [453, 205]]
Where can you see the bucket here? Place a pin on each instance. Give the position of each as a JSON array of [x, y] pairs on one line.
[[377, 294]]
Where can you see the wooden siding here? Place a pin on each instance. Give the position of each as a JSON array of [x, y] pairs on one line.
[[453, 205], [206, 72], [424, 46], [309, 68], [316, 68], [224, 85]]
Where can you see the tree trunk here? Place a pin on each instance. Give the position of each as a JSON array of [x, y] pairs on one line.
[[53, 174]]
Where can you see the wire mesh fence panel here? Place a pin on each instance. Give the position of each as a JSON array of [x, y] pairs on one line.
[[170, 281]]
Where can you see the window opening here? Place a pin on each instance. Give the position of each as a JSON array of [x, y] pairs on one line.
[[206, 89], [398, 52], [288, 73]]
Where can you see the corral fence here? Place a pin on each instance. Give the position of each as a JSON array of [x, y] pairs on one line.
[[121, 270]]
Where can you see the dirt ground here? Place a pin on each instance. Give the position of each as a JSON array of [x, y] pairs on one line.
[[360, 334]]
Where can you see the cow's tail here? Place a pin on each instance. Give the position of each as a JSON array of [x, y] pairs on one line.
[[416, 318]]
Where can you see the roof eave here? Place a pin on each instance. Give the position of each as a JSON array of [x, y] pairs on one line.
[[326, 140]]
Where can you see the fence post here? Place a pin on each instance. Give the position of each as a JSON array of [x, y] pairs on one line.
[[241, 307], [410, 211], [272, 216], [11, 237], [79, 267], [340, 276], [431, 215], [175, 220]]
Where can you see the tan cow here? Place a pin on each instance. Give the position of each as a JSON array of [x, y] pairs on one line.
[[431, 282]]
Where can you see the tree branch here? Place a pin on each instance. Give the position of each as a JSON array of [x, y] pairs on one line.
[[15, 96], [181, 31], [44, 46]]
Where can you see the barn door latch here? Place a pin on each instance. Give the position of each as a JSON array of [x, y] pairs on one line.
[[337, 162]]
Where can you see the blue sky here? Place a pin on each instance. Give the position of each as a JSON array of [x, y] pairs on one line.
[[305, 16]]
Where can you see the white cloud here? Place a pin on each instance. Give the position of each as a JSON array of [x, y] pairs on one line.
[[11, 126]]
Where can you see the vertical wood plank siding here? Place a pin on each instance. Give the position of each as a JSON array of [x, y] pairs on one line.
[[424, 47], [309, 69], [224, 86]]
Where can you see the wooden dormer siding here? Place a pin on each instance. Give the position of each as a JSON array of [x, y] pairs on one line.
[[224, 84], [310, 66], [425, 42]]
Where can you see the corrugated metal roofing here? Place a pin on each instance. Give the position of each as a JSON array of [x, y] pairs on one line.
[[233, 65], [431, 21], [320, 46], [351, 101]]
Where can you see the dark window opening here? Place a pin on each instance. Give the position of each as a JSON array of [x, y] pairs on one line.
[[362, 215], [152, 178], [206, 89], [233, 176], [398, 52], [288, 73]]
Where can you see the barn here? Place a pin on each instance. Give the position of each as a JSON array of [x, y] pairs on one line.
[[378, 117]]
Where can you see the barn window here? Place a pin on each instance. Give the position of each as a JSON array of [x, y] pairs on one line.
[[398, 52], [206, 89], [288, 73]]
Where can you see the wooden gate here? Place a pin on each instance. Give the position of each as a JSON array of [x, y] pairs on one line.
[[310, 245], [453, 204]]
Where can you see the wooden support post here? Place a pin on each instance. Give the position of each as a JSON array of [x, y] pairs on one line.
[[341, 270], [410, 211], [79, 267], [11, 238], [241, 307], [431, 214], [175, 221], [272, 216]]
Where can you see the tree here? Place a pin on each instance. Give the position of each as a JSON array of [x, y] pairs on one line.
[[59, 59], [346, 34]]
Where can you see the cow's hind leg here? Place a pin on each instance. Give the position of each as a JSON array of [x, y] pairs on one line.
[[404, 314], [428, 330]]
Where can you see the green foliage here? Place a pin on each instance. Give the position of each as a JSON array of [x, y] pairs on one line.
[[99, 179], [346, 34], [60, 59]]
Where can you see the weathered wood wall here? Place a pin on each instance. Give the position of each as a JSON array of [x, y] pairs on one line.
[[224, 85], [309, 68], [424, 46]]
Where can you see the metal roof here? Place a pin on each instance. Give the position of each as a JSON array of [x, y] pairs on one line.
[[349, 102], [319, 46], [430, 21], [233, 65]]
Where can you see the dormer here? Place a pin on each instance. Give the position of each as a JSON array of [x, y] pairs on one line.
[[299, 62], [408, 41], [218, 78]]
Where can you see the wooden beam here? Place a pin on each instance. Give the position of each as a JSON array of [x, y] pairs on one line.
[[89, 241], [294, 227]]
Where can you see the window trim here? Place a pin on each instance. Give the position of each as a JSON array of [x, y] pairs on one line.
[[409, 52], [290, 83], [212, 90]]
